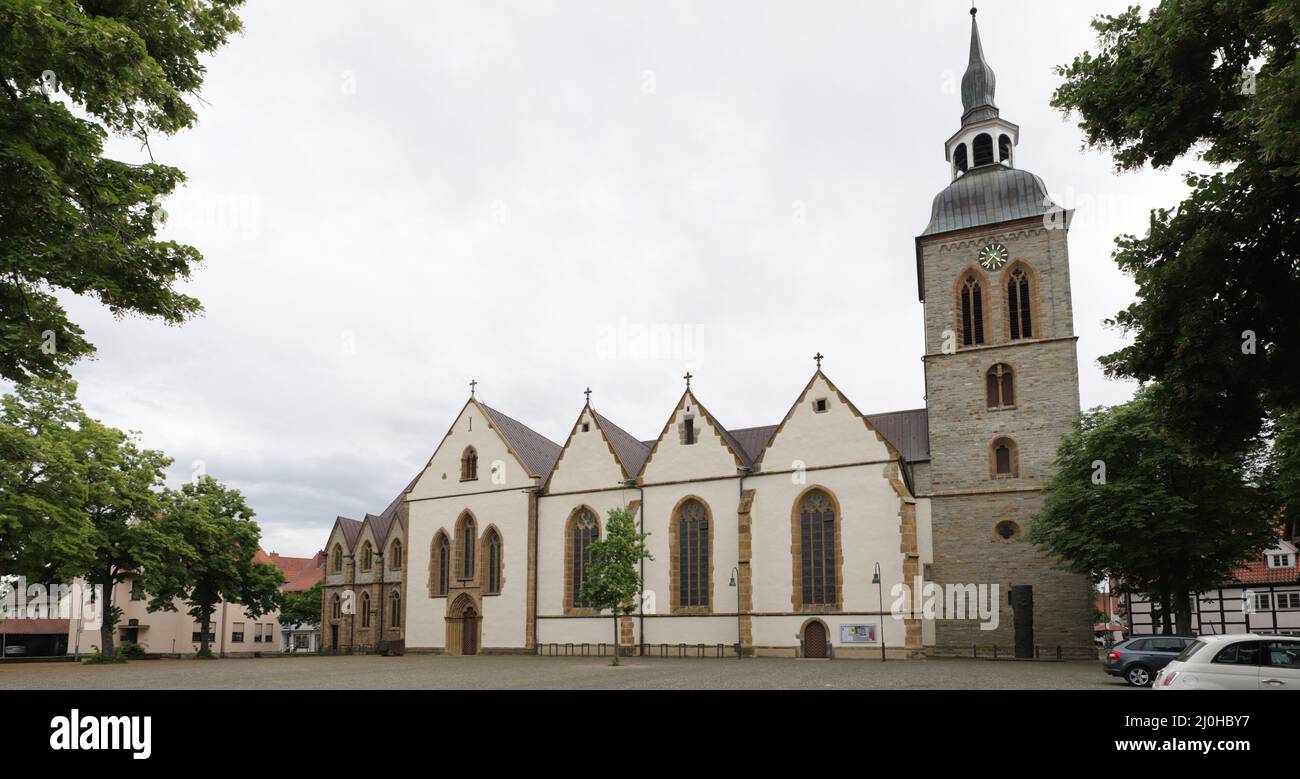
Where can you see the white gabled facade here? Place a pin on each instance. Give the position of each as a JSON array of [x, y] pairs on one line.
[[725, 520]]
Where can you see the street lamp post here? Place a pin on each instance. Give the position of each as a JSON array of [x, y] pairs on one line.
[[880, 595], [735, 576]]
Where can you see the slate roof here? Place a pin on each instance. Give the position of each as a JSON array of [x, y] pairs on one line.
[[908, 432], [538, 452], [988, 195], [630, 452], [753, 440], [351, 529]]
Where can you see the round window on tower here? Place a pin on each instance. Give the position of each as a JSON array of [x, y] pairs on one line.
[[1006, 531]]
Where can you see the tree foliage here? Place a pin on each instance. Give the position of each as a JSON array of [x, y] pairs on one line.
[[302, 607], [1132, 501], [1218, 274], [612, 579], [211, 541], [73, 73]]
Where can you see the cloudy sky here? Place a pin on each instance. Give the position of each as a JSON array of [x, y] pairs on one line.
[[395, 198]]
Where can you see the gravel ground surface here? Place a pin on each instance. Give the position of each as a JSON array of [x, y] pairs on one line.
[[541, 673]]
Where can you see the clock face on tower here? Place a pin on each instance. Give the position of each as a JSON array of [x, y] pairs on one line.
[[993, 256]]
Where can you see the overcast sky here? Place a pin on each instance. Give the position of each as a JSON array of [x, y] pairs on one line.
[[394, 198]]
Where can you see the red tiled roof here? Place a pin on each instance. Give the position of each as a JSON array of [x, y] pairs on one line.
[[1258, 572], [30, 627], [300, 573]]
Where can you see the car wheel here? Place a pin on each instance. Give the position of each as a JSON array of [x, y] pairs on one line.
[[1138, 676]]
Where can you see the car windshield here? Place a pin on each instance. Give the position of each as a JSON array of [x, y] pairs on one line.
[[1189, 650]]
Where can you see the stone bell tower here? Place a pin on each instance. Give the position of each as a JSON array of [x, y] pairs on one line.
[[1002, 383]]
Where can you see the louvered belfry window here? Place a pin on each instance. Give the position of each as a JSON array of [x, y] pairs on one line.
[[1018, 305], [972, 312]]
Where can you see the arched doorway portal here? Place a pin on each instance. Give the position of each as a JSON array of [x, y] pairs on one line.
[[814, 640], [464, 626], [469, 632]]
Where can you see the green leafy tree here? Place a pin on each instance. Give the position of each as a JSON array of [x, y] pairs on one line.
[[72, 73], [302, 607], [1132, 501], [43, 488], [612, 579], [1217, 276], [123, 498], [211, 540]]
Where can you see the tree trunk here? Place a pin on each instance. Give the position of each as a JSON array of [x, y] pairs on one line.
[[1166, 602], [1183, 614], [106, 625], [205, 649], [616, 638]]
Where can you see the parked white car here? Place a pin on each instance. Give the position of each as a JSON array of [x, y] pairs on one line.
[[1240, 662]]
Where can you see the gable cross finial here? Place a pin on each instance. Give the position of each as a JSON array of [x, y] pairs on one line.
[[818, 358], [473, 383], [587, 392], [688, 378]]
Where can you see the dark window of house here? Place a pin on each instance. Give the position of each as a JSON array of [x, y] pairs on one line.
[[972, 312], [494, 563], [395, 561], [365, 610], [999, 386], [690, 431], [585, 530], [817, 549], [1022, 325], [692, 555], [444, 564], [395, 610], [469, 464], [467, 538]]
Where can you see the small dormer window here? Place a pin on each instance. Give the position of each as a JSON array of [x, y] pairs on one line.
[[820, 405], [1280, 561]]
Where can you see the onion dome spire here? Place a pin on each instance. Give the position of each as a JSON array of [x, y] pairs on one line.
[[978, 84]]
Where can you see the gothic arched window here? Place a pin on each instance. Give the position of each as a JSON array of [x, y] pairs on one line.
[[336, 559], [365, 609], [469, 464], [972, 312], [336, 608], [583, 529], [691, 551], [394, 609], [395, 556], [1004, 458], [959, 160], [817, 541], [439, 564], [1000, 386], [492, 558], [1018, 305], [983, 146], [466, 536], [1004, 147], [367, 556]]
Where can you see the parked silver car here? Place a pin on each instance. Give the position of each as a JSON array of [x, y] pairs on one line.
[[1240, 662]]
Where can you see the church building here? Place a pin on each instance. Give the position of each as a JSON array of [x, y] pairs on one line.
[[790, 539]]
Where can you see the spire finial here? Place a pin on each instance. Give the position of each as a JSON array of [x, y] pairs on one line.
[[688, 378], [818, 358], [472, 384], [587, 392], [978, 84]]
